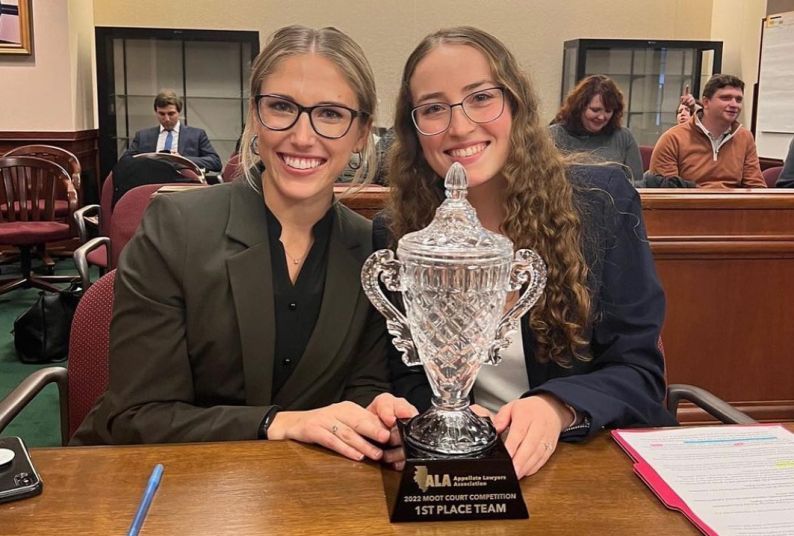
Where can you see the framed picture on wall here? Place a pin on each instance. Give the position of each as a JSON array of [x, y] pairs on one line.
[[15, 24]]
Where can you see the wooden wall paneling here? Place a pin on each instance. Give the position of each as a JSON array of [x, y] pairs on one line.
[[367, 201], [725, 260]]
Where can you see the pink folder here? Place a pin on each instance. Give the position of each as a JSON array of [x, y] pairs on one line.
[[658, 486]]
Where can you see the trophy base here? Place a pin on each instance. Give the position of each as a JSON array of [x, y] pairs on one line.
[[434, 487], [444, 432]]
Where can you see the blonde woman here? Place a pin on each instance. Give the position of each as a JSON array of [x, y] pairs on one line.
[[239, 312], [587, 355]]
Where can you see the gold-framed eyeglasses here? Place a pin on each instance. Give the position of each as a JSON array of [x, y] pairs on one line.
[[481, 106]]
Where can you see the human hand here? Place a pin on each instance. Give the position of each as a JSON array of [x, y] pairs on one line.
[[481, 411], [688, 100], [535, 424], [344, 427], [389, 408]]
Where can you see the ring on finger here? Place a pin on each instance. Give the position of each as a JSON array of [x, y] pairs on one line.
[[547, 446], [334, 429]]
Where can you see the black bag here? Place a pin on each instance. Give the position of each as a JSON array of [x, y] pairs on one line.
[[41, 334], [130, 172]]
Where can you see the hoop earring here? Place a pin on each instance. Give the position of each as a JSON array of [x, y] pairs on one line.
[[355, 161], [254, 140]]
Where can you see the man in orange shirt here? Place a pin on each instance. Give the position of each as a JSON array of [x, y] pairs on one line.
[[712, 149]]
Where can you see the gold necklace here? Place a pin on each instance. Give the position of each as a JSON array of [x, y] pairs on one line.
[[295, 260]]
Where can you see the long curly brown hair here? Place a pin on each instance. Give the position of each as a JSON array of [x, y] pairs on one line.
[[539, 200], [570, 115]]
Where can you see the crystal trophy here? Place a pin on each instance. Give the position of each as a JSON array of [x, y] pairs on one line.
[[455, 278]]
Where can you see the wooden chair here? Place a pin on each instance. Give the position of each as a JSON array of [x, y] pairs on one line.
[[645, 153], [231, 171], [67, 161], [770, 175], [27, 216], [62, 157]]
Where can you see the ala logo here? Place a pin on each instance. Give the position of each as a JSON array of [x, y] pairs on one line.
[[426, 480]]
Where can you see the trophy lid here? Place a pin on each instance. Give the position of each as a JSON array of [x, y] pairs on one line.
[[455, 234]]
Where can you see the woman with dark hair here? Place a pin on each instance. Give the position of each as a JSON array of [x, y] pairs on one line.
[[686, 107], [587, 354], [589, 121], [238, 311]]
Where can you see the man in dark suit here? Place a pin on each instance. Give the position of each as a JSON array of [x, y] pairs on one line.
[[172, 136]]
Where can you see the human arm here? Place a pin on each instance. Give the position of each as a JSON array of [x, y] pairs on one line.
[[751, 172], [632, 158], [367, 412], [534, 425], [664, 159], [623, 384], [688, 100], [207, 158], [134, 147], [204, 382], [151, 396]]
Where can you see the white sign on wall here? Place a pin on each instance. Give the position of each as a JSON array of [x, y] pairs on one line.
[[775, 119]]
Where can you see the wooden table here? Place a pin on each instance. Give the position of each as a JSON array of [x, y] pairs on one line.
[[284, 488]]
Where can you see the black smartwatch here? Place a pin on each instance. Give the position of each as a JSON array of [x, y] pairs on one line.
[[267, 421]]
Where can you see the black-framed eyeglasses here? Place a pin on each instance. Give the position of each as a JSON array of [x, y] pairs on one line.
[[482, 106], [330, 121]]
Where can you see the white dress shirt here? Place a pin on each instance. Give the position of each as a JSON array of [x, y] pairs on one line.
[[164, 134]]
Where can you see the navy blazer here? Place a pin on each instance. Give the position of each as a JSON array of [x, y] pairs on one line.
[[193, 145], [623, 384]]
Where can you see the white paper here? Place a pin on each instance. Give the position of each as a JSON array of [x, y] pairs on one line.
[[775, 112], [739, 480]]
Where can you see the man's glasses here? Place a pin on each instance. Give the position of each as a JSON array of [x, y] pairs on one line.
[[327, 120], [482, 106]]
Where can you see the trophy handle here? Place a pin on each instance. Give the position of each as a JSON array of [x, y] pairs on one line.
[[382, 265], [526, 264]]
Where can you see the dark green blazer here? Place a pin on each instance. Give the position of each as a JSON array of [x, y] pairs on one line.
[[193, 331]]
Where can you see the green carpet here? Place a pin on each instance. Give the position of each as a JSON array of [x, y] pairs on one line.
[[39, 423]]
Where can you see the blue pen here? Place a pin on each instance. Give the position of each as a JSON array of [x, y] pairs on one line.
[[146, 500]]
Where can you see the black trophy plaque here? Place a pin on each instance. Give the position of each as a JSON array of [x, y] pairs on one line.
[[453, 488]]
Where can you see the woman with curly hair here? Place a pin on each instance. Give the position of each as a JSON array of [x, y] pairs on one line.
[[587, 355], [589, 122]]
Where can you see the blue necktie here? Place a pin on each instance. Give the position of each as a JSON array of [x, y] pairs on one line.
[[169, 141]]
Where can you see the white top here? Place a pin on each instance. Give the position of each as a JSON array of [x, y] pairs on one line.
[[164, 134], [497, 385]]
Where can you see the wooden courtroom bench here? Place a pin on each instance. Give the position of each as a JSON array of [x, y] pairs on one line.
[[726, 261]]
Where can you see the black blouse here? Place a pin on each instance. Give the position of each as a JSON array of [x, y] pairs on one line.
[[296, 306]]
